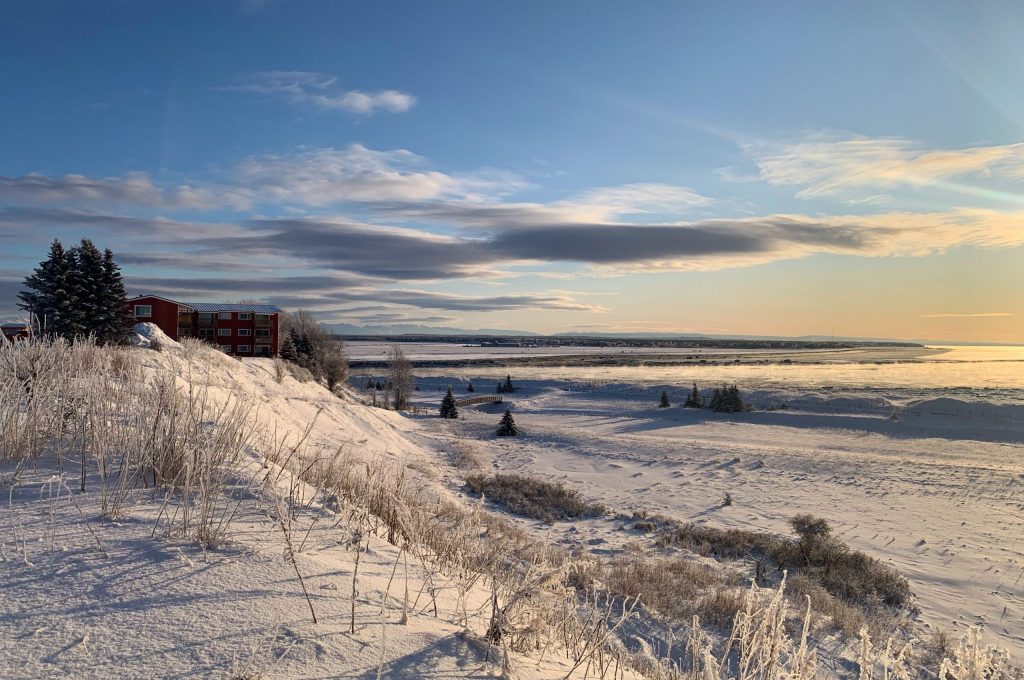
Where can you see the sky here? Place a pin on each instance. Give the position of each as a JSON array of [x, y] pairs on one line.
[[788, 168]]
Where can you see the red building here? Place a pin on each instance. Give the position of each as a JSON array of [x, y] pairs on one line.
[[239, 329], [14, 331]]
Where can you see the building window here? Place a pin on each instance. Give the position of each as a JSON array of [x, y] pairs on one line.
[[225, 348], [262, 319], [262, 332], [245, 332], [224, 316], [245, 316], [206, 332], [223, 331], [244, 349], [144, 311]]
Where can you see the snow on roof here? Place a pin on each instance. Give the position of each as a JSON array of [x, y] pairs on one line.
[[233, 307], [258, 307]]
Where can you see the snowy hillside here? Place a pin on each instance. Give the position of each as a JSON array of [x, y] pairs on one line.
[[173, 512]]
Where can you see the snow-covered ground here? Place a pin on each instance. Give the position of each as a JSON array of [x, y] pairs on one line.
[[83, 596], [937, 489], [926, 482]]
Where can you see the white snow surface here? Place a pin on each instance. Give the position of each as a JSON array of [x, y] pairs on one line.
[[937, 491], [159, 607]]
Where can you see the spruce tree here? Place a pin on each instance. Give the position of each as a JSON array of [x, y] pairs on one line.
[[448, 407], [50, 294], [506, 387], [716, 400], [663, 402], [90, 278], [734, 401], [507, 426], [470, 388], [288, 352], [693, 400], [116, 321]]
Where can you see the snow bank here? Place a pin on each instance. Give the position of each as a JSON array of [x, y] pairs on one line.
[[147, 334]]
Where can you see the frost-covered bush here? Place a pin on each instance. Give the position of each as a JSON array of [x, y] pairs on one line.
[[536, 498]]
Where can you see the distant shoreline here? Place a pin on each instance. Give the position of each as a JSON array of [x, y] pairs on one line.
[[886, 354]]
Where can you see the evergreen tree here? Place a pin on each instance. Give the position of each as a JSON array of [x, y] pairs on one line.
[[734, 402], [470, 388], [663, 402], [90, 278], [288, 351], [506, 387], [693, 400], [716, 400], [507, 426], [448, 407], [50, 294], [116, 320]]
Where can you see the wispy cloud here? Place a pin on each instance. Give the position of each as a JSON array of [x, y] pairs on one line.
[[951, 315], [324, 177], [631, 199], [322, 92], [824, 164]]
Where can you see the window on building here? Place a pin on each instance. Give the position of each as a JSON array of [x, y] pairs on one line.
[[224, 316], [245, 316], [225, 348], [223, 331], [262, 332], [206, 332], [245, 349], [144, 311], [245, 331]]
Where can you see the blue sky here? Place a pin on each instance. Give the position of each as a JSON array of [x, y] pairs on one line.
[[772, 168]]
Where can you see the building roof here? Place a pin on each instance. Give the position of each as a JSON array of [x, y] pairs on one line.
[[256, 308]]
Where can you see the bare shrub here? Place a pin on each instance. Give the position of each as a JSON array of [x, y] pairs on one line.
[[676, 587], [400, 370], [548, 501], [335, 369], [850, 575], [847, 618], [280, 371], [299, 373]]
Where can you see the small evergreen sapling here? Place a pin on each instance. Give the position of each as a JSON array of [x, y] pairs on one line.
[[663, 402], [448, 407], [507, 426], [693, 400], [470, 388], [506, 387]]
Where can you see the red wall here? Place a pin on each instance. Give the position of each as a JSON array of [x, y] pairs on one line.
[[234, 324], [165, 314]]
